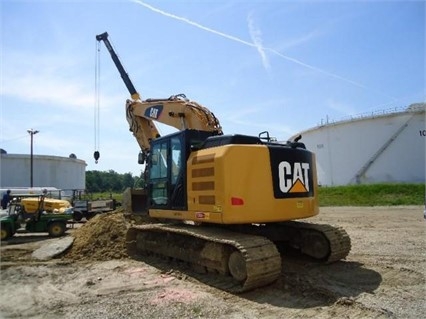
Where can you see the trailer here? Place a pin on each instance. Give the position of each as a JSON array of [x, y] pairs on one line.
[[85, 206]]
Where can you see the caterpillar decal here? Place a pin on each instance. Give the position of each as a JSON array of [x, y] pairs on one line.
[[154, 111], [293, 178], [291, 172]]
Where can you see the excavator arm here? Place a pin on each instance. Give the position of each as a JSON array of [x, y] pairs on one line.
[[176, 111]]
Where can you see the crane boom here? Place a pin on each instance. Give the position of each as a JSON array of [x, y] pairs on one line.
[[104, 37], [176, 111], [143, 128]]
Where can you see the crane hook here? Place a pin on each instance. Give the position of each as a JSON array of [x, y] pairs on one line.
[[96, 155]]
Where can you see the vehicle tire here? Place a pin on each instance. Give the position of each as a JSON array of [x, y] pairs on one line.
[[5, 233], [77, 216], [56, 229], [89, 216]]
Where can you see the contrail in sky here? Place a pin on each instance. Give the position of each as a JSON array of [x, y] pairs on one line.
[[257, 44], [256, 36], [195, 24]]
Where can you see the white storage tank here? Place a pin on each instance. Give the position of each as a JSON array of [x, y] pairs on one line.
[[54, 171], [385, 146]]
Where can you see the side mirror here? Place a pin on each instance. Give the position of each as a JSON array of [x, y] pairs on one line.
[[141, 158]]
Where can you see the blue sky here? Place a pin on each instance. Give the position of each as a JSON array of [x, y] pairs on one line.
[[280, 66]]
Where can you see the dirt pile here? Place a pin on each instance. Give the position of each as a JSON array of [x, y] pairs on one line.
[[101, 238]]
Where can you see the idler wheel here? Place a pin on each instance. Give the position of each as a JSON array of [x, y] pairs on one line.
[[237, 266], [316, 245]]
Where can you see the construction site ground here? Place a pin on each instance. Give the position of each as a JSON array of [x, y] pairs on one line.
[[383, 276]]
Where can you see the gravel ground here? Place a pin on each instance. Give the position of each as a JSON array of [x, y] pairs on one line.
[[383, 276]]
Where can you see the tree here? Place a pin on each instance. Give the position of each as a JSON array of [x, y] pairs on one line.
[[94, 181], [111, 181], [128, 180]]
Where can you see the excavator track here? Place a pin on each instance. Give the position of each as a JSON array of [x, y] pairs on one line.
[[323, 242], [233, 262]]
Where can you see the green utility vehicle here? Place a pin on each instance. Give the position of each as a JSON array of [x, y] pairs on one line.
[[16, 220]]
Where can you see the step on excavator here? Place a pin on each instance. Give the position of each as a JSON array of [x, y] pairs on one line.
[[226, 204]]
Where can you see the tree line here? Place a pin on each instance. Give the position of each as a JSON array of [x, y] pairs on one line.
[[111, 181]]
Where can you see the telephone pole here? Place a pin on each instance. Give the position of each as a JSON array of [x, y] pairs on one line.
[[31, 132]]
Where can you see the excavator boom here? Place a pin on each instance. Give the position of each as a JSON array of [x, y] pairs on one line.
[[176, 111]]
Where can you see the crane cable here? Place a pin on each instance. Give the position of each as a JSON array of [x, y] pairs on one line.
[[96, 153]]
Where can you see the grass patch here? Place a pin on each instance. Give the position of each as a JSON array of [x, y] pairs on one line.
[[352, 195], [373, 195]]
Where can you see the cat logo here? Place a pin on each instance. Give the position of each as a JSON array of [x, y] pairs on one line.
[[293, 177], [154, 111]]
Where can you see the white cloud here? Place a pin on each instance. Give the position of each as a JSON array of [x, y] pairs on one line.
[[43, 78], [56, 79], [256, 37], [54, 93], [50, 89]]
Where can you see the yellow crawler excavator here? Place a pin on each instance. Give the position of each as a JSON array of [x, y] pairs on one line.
[[227, 203]]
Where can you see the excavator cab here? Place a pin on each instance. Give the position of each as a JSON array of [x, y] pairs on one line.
[[167, 168]]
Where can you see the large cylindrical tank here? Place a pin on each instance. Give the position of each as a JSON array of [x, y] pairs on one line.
[[386, 146], [53, 171]]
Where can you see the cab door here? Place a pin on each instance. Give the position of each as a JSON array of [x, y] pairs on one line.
[[158, 174], [167, 173]]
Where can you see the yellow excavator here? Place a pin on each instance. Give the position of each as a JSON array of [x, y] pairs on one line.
[[227, 204]]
